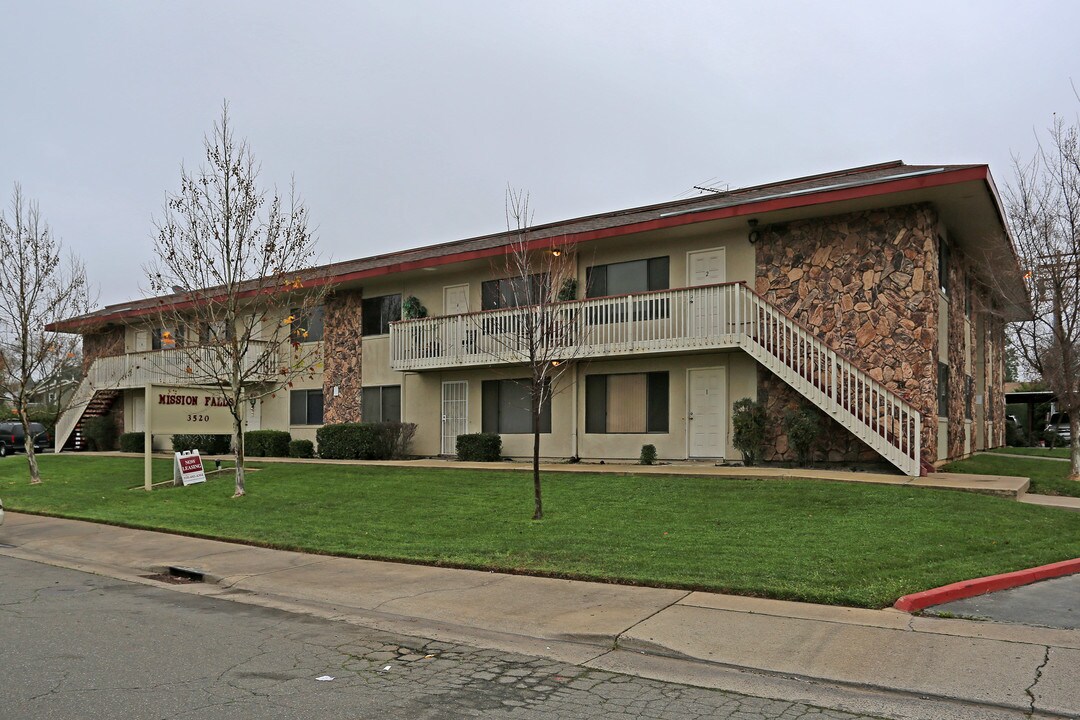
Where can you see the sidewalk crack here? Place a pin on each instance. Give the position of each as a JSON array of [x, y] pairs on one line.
[[1030, 689], [408, 596], [622, 632]]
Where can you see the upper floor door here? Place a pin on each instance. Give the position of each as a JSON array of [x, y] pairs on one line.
[[706, 267], [455, 299]]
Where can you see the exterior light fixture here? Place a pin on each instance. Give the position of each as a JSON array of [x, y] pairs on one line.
[[556, 253], [754, 235]]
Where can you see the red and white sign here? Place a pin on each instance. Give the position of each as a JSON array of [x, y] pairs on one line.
[[188, 468]]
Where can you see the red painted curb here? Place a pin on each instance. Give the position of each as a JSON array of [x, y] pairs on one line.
[[981, 586]]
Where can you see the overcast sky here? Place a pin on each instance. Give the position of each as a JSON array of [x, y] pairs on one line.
[[403, 122]]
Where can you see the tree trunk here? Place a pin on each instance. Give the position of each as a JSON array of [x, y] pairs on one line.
[[238, 454], [28, 443], [538, 512], [1074, 445]]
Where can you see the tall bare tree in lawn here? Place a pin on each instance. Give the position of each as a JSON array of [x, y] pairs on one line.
[[1043, 206], [536, 329], [39, 285], [231, 262]]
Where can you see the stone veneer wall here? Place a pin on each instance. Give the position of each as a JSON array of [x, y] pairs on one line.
[[995, 380], [960, 400], [108, 341], [342, 353], [865, 283]]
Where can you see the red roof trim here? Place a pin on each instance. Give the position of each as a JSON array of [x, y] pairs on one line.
[[751, 207]]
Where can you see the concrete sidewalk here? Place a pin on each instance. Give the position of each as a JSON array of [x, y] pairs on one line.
[[1000, 485], [914, 666]]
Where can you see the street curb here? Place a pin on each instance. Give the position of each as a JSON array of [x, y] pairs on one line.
[[981, 586]]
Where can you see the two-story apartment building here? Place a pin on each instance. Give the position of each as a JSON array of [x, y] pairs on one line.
[[877, 294]]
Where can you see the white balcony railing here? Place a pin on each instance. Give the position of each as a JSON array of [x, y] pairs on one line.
[[179, 366], [692, 319]]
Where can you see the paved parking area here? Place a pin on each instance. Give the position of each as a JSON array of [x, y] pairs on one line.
[[1050, 603]]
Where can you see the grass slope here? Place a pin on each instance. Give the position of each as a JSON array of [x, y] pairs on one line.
[[849, 544], [1047, 477]]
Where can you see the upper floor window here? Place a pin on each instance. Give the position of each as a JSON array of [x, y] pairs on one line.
[[943, 389], [378, 312], [624, 278], [514, 292], [306, 326], [215, 333], [168, 338]]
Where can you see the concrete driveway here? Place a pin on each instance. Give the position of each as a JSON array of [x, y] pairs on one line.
[[1050, 603]]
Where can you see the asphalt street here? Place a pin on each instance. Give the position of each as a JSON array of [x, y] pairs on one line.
[[76, 645], [1050, 603]]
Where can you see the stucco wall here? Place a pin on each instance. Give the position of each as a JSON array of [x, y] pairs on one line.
[[866, 283]]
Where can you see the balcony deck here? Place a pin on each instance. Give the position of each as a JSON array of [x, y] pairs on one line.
[[177, 366], [707, 317]]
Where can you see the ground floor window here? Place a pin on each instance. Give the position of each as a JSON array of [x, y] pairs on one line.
[[626, 403], [381, 404], [306, 407], [943, 389], [508, 407]]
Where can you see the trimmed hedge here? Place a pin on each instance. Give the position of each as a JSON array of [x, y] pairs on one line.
[[205, 444], [266, 443], [100, 432], [301, 449], [479, 447], [365, 441], [133, 442]]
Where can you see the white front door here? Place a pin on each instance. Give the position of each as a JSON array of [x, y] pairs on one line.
[[706, 416], [455, 414], [706, 267], [455, 299]]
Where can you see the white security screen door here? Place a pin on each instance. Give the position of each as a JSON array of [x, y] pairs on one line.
[[706, 417], [455, 414]]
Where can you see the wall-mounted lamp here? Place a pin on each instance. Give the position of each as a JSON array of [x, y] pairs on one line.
[[754, 235], [557, 253]]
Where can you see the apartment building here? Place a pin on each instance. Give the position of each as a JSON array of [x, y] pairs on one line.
[[876, 294]]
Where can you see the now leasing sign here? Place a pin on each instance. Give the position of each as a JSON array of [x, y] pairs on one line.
[[188, 468], [183, 410]]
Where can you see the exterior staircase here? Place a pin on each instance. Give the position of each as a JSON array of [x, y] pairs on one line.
[[694, 319], [100, 405]]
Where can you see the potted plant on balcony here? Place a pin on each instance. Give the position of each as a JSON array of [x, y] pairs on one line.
[[411, 308]]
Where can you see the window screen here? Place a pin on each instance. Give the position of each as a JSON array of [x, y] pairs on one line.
[[381, 404], [507, 408], [378, 312], [627, 403], [306, 407]]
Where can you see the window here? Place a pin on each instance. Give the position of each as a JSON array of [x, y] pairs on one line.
[[513, 292], [943, 264], [379, 312], [307, 327], [626, 277], [168, 338], [215, 333], [306, 407], [381, 404], [942, 389], [507, 407], [631, 403]]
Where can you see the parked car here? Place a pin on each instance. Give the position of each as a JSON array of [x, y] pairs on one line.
[[12, 437], [1059, 423]]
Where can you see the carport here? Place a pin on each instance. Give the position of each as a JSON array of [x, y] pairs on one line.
[[1031, 398]]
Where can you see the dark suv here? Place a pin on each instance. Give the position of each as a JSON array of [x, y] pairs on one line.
[[12, 437]]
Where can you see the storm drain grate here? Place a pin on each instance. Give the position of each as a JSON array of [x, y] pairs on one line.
[[176, 575]]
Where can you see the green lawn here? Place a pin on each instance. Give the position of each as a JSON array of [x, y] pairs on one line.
[[1047, 478], [1061, 452], [850, 544]]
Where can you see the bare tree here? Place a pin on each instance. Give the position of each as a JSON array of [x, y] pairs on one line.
[[229, 254], [39, 286], [1043, 205], [540, 331]]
